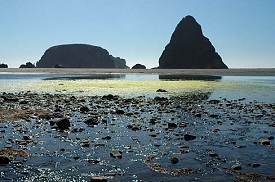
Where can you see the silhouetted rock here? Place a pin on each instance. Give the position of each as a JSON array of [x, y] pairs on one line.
[[119, 62], [27, 65], [190, 49], [76, 56], [139, 66], [3, 65]]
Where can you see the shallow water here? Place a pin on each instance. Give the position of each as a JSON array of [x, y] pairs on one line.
[[244, 112], [260, 88]]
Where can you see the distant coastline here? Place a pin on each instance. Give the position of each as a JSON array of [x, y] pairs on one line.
[[238, 71]]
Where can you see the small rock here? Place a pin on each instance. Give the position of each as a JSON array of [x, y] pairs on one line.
[[264, 142], [270, 137], [174, 160], [213, 154], [236, 167], [119, 112], [172, 125], [107, 138], [93, 161], [256, 165], [63, 124], [116, 154], [99, 179], [188, 137], [161, 90], [4, 160], [84, 109]]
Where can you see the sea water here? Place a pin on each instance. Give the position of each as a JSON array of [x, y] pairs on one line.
[[250, 87]]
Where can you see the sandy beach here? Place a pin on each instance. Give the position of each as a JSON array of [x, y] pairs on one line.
[[254, 71]]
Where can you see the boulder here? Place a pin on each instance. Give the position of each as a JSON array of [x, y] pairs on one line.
[[139, 66], [190, 49], [27, 65], [76, 56]]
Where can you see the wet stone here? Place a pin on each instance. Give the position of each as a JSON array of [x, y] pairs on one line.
[[236, 167], [270, 137], [264, 142], [4, 160], [189, 137], [116, 154], [63, 124], [84, 109], [172, 125], [213, 154], [174, 160], [161, 90]]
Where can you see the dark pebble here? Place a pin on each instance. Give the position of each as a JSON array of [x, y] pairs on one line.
[[84, 109], [236, 167], [174, 160], [188, 137], [4, 160], [63, 124]]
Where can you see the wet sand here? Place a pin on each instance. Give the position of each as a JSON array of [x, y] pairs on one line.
[[255, 71]]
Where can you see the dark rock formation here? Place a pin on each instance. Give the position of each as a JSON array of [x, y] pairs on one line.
[[190, 49], [3, 65], [139, 66], [119, 62], [27, 65], [76, 56]]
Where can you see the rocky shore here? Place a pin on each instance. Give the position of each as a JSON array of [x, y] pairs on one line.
[[62, 137]]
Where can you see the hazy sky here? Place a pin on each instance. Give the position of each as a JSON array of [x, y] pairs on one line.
[[242, 31]]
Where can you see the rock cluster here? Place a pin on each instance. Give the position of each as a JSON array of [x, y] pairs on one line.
[[27, 65], [190, 49], [3, 65]]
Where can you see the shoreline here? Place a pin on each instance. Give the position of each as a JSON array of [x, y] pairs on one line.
[[241, 71]]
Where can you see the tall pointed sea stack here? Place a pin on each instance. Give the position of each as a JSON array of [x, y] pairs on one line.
[[190, 49]]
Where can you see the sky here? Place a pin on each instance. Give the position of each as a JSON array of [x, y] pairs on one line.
[[242, 31]]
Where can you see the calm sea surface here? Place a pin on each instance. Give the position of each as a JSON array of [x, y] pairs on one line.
[[260, 88]]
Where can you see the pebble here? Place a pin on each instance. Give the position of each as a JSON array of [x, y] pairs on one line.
[[188, 137], [236, 167], [174, 160]]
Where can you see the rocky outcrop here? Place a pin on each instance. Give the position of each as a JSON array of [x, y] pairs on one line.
[[190, 49], [27, 65], [139, 66], [3, 65], [76, 56], [119, 62]]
